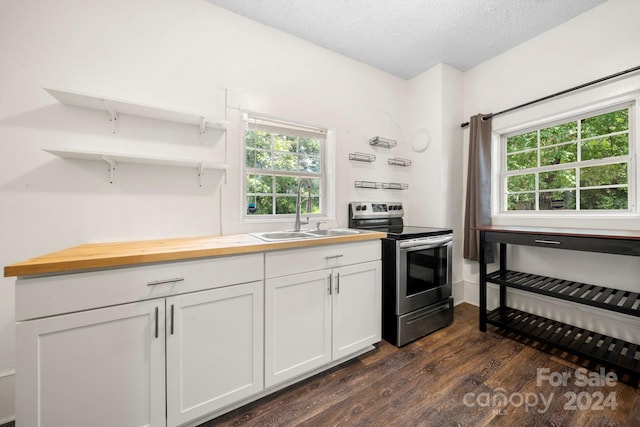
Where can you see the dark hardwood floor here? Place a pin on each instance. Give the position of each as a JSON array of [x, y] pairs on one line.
[[457, 376]]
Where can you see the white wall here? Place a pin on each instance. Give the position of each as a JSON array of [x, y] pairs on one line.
[[435, 101], [600, 42], [183, 55]]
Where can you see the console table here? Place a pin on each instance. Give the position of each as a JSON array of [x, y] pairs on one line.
[[588, 344]]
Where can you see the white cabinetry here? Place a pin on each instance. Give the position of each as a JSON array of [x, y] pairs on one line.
[[214, 350], [357, 310], [102, 367], [79, 365], [323, 314]]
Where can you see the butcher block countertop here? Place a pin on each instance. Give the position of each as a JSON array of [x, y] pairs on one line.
[[122, 254]]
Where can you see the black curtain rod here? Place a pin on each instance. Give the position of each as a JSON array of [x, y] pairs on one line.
[[582, 86]]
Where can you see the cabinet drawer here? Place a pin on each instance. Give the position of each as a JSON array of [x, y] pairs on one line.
[[576, 243], [64, 293], [293, 261]]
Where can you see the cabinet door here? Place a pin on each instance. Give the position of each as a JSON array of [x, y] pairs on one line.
[[103, 367], [357, 311], [214, 349], [297, 325]]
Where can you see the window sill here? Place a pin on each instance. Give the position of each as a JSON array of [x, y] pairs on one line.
[[622, 221]]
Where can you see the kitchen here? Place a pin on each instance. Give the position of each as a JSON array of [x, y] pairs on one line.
[[195, 56]]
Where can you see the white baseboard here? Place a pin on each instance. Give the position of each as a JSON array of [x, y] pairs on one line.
[[457, 292]]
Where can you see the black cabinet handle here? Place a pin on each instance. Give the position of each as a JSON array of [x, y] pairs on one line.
[[171, 319], [156, 322]]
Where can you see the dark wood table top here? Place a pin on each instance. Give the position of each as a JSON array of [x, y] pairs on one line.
[[559, 231]]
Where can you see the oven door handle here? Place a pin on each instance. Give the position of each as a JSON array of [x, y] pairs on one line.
[[424, 244]]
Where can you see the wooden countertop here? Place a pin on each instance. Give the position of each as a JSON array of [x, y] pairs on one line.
[[571, 232], [121, 254]]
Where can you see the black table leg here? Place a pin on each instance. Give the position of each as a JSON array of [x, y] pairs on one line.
[[483, 283], [503, 270]]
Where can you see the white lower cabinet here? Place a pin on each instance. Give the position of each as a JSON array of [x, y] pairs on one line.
[[297, 325], [214, 350], [357, 308], [174, 343], [102, 367], [317, 317], [106, 367]]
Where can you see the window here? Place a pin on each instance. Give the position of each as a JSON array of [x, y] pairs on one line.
[[585, 164], [277, 154]]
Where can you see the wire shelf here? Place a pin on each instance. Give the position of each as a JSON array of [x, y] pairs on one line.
[[362, 157], [379, 141], [394, 186], [381, 185], [400, 162], [368, 184]]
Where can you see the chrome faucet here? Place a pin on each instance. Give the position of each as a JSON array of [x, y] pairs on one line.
[[298, 197]]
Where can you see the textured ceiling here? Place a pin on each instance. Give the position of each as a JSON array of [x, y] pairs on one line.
[[407, 37]]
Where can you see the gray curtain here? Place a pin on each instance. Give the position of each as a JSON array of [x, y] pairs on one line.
[[478, 200]]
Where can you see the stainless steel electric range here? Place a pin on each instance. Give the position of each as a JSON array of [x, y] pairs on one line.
[[416, 272]]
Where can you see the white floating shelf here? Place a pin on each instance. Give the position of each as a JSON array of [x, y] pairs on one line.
[[113, 107], [112, 159]]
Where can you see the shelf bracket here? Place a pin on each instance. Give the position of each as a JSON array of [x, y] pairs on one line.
[[203, 128], [200, 172], [112, 168], [113, 116]]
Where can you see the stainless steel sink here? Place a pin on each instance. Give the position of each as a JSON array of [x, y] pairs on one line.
[[274, 236], [277, 236], [334, 232]]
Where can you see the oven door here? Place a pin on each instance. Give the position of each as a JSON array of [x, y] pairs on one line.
[[423, 272]]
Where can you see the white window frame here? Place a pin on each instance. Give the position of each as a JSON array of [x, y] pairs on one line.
[[327, 164], [500, 136]]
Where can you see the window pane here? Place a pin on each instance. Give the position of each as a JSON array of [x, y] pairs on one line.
[[603, 175], [285, 143], [257, 139], [611, 146], [285, 162], [315, 205], [557, 155], [286, 185], [259, 205], [522, 142], [315, 186], [565, 178], [557, 134], [604, 198], [525, 160], [557, 200], [287, 205], [521, 202], [526, 182], [606, 123], [309, 146], [310, 164], [258, 159], [260, 184], [272, 154]]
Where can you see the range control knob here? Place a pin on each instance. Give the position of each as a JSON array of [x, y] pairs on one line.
[[358, 207], [364, 207]]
